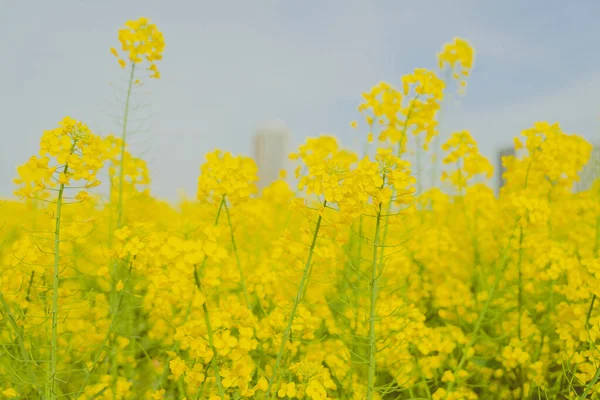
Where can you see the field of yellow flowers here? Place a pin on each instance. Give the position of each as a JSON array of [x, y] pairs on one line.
[[352, 285]]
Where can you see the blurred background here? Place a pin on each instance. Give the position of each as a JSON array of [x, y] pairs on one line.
[[257, 78]]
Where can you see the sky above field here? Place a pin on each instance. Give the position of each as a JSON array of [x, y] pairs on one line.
[[230, 66]]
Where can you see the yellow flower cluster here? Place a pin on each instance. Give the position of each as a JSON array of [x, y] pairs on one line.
[[459, 55], [70, 153], [336, 176], [225, 175], [413, 109], [141, 40], [463, 151], [326, 166]]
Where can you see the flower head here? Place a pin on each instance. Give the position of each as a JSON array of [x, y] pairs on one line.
[[226, 175], [141, 40], [69, 153]]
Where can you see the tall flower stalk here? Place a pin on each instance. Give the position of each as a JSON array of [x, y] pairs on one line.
[[394, 186], [374, 289], [209, 329], [296, 302], [71, 154], [237, 257], [223, 177], [55, 285], [142, 40], [123, 147], [114, 295]]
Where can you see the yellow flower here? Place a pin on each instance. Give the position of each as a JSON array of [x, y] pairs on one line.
[[448, 376], [158, 394], [178, 367], [288, 390], [82, 195], [460, 56], [10, 393]]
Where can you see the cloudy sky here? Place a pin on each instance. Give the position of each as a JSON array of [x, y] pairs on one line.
[[232, 65]]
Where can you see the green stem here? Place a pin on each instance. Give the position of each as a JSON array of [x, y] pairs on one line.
[[55, 284], [201, 271], [405, 126], [221, 205], [209, 330], [28, 295], [114, 296], [211, 341], [237, 257], [590, 384], [357, 263], [520, 282], [374, 286], [589, 313], [123, 144], [297, 300]]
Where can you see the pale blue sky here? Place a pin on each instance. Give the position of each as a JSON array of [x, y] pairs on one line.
[[231, 65]]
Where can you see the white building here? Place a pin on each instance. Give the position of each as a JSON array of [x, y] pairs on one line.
[[270, 151]]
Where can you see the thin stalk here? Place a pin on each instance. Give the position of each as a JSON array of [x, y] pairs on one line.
[[55, 284], [374, 286], [589, 313], [221, 205], [357, 262], [201, 271], [405, 127], [237, 257], [211, 341], [201, 391], [436, 140], [28, 295], [123, 143], [520, 282], [297, 300], [419, 165], [471, 228], [113, 345], [590, 384]]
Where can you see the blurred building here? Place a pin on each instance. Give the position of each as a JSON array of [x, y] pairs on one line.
[[270, 151], [500, 170], [590, 172]]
